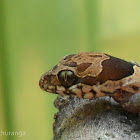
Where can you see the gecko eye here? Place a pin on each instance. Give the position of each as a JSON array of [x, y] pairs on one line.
[[66, 77]]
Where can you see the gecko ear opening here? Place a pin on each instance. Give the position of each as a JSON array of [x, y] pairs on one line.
[[66, 78]]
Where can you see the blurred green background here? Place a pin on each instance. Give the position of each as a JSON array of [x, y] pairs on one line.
[[36, 34]]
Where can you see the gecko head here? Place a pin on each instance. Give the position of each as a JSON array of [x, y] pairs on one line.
[[69, 75], [75, 74]]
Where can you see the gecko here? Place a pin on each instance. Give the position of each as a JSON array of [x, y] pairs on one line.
[[90, 75]]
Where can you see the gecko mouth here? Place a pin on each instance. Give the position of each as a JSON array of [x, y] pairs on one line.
[[51, 88], [75, 90], [48, 86]]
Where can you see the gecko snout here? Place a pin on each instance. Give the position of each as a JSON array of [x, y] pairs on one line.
[[42, 83], [47, 83]]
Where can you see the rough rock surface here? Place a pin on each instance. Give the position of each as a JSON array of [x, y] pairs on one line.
[[97, 119]]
